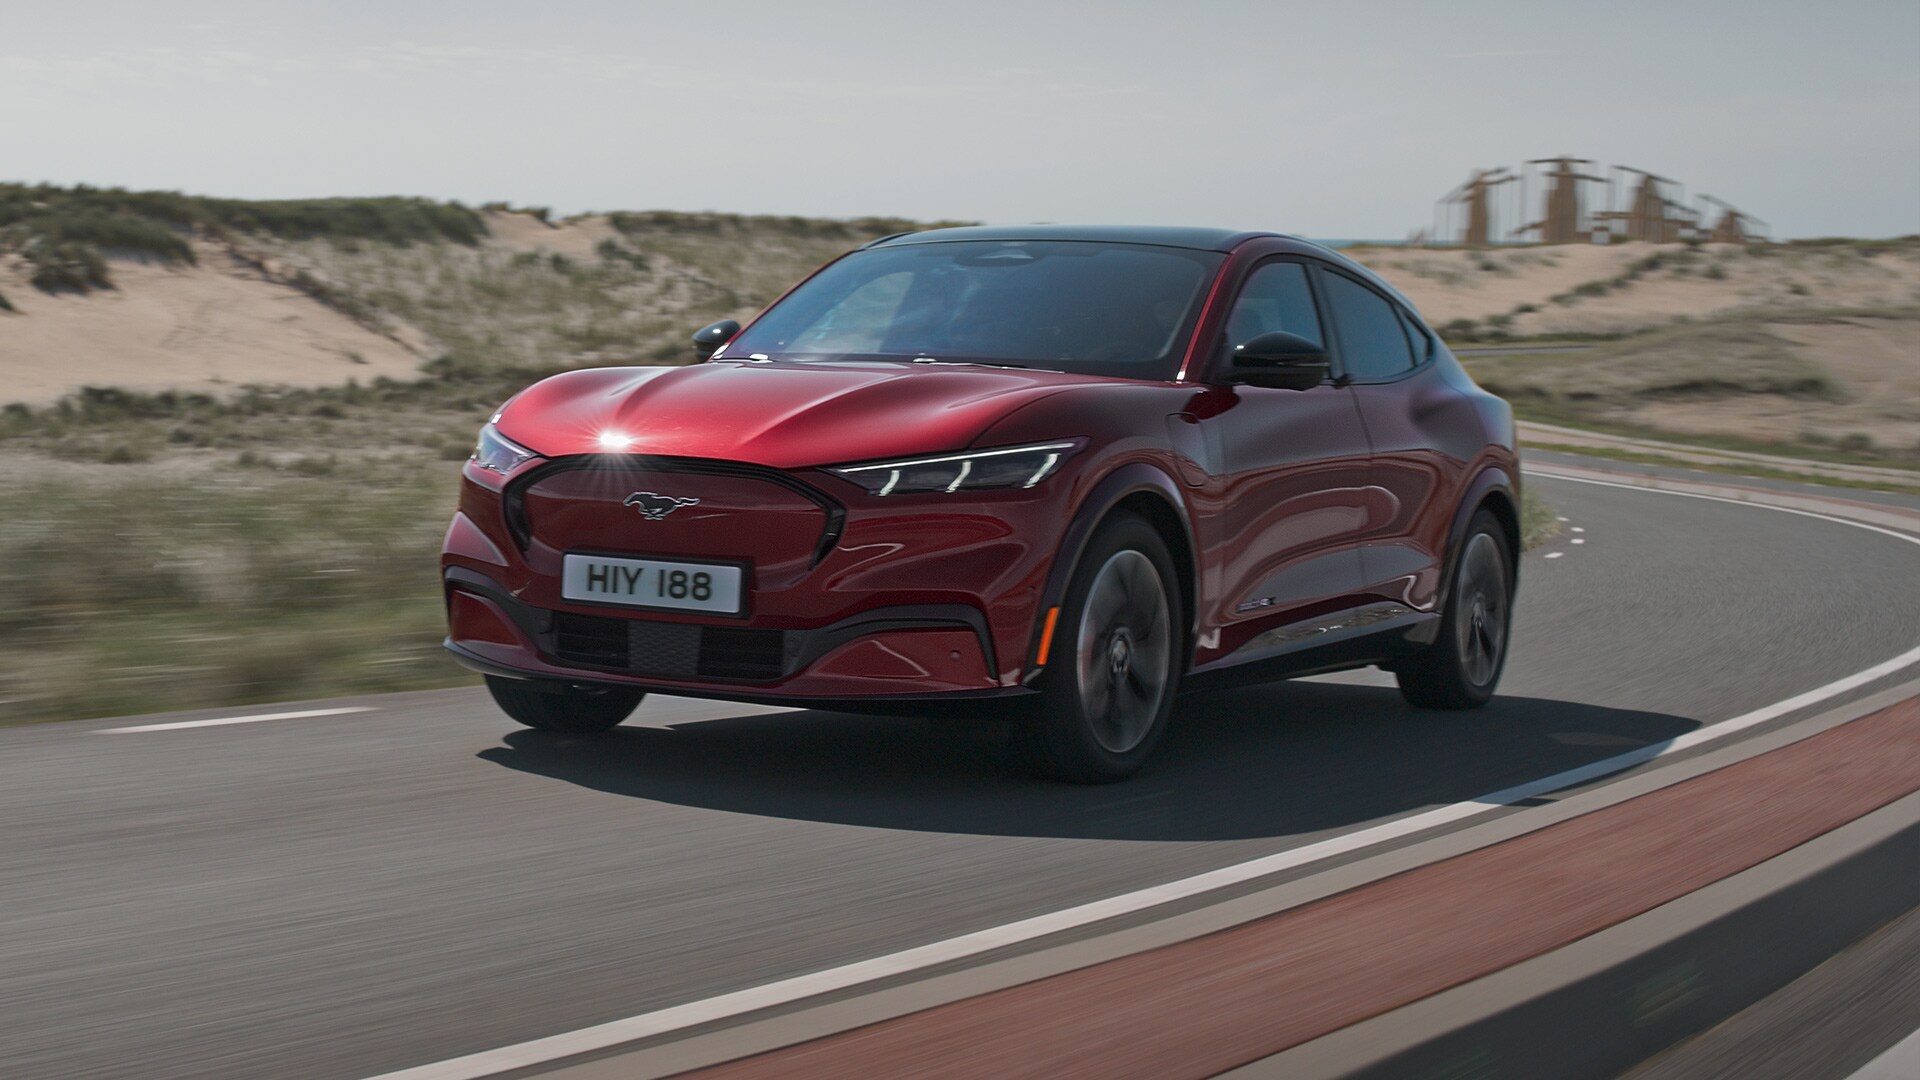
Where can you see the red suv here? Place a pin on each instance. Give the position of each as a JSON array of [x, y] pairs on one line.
[[1075, 470]]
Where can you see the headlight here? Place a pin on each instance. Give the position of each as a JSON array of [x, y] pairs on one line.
[[499, 453], [1014, 467]]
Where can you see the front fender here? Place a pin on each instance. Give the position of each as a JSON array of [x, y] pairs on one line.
[[1128, 480]]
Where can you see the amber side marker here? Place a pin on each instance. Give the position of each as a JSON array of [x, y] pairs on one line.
[[1046, 637]]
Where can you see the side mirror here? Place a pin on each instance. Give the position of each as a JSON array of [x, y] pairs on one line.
[[1279, 360], [710, 338]]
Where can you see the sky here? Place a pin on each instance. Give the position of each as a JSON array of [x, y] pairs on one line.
[[1337, 120]]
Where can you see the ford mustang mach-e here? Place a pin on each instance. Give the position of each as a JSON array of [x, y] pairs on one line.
[[1069, 471]]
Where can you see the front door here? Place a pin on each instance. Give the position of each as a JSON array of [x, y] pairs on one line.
[[1290, 489]]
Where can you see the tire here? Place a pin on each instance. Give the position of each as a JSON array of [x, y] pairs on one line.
[[1460, 669], [558, 707], [1117, 656]]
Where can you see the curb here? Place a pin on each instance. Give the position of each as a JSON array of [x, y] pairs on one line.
[[1610, 1001]]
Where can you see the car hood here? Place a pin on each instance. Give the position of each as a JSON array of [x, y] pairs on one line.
[[781, 415]]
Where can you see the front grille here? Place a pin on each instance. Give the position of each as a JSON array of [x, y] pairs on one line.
[[670, 650]]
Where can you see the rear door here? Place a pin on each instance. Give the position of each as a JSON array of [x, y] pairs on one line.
[[1401, 397]]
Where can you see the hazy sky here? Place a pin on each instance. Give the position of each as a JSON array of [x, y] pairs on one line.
[[1334, 119]]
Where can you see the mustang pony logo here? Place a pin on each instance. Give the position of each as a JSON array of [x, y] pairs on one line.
[[654, 506]]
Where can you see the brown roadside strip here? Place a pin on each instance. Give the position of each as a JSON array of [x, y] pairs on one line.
[[1203, 1006]]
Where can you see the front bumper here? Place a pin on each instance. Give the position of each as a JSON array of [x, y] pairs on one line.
[[904, 650], [849, 596]]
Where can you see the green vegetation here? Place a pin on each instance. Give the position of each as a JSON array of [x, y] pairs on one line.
[[1691, 358], [189, 551], [66, 233], [1538, 522], [244, 588]]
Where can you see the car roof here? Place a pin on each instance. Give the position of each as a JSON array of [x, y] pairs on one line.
[[1180, 236], [1200, 239]]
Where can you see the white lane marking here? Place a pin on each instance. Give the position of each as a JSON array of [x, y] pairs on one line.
[[183, 724], [1553, 554], [800, 987], [1577, 528], [1578, 540]]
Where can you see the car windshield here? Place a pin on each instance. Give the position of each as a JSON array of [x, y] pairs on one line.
[[1123, 310]]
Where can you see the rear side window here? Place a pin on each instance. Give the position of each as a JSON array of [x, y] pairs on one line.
[[1373, 344], [1275, 297], [1422, 344]]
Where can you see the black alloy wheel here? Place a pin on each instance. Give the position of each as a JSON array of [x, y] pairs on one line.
[[1462, 666], [1117, 657]]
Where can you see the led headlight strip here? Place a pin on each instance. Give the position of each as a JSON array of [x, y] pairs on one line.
[[1013, 467]]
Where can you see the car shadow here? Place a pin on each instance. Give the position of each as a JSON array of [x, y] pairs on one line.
[[1278, 760]]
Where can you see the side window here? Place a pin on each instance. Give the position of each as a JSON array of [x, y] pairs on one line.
[[1275, 297], [1373, 344], [1417, 337]]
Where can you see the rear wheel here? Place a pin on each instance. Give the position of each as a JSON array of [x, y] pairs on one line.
[[559, 707], [1116, 659], [1462, 666]]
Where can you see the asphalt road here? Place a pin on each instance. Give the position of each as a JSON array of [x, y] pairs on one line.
[[345, 895]]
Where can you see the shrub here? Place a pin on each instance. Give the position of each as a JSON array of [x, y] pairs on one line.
[[122, 454], [67, 267]]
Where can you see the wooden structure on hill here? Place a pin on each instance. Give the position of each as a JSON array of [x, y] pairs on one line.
[[1654, 209]]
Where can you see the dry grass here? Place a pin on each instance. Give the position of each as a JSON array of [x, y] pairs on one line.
[[1697, 359]]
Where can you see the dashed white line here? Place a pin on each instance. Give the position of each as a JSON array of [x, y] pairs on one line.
[[1553, 554], [181, 725]]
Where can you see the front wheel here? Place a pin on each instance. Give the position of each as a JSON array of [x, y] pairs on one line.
[[1462, 666], [1116, 659], [559, 707]]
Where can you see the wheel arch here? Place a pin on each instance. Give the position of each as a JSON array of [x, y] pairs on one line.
[[1141, 489], [1493, 489]]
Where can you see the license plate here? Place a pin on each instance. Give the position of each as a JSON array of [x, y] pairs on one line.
[[653, 583]]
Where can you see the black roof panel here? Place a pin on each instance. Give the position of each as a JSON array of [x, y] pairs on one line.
[[1161, 235]]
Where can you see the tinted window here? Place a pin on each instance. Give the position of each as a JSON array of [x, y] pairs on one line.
[[1106, 309], [1417, 337], [1372, 343], [1275, 297]]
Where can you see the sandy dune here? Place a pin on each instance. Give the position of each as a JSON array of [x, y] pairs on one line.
[[1453, 284], [209, 328], [1457, 284], [576, 238], [1876, 361]]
